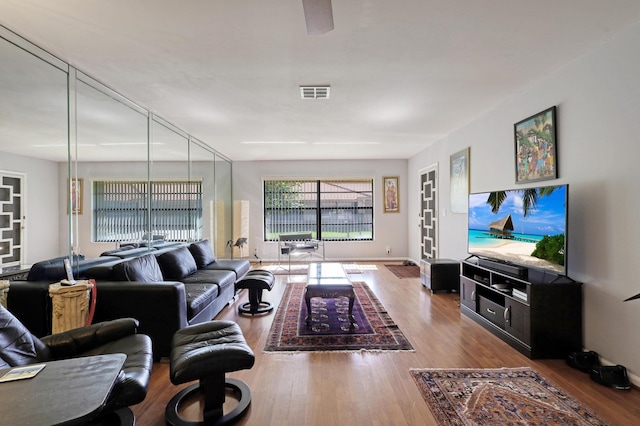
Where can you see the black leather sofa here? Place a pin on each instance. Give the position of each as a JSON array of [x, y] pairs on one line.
[[165, 290]]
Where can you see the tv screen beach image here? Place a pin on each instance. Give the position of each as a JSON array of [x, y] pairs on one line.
[[521, 226]]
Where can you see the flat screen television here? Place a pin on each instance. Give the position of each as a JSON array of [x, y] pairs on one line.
[[525, 227]]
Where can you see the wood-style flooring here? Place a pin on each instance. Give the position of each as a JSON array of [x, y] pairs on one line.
[[375, 388]]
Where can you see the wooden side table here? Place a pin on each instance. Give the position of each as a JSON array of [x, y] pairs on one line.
[[4, 291], [70, 305]]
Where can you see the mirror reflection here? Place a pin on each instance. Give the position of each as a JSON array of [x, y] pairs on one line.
[[121, 176], [108, 126], [224, 227], [33, 142]]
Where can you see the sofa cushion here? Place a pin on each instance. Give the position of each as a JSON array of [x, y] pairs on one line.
[[199, 297], [143, 268], [51, 269], [202, 252], [220, 278], [126, 252], [177, 264], [104, 271], [239, 266]]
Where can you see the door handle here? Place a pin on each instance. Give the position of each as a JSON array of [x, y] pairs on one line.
[[507, 314]]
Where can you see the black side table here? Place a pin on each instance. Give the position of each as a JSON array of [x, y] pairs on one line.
[[440, 274]]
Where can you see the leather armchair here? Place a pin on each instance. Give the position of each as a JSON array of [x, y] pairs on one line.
[[19, 347]]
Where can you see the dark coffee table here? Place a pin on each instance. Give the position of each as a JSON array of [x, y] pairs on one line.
[[328, 280], [68, 392]]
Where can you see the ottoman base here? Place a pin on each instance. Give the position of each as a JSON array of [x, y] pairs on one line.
[[215, 417]]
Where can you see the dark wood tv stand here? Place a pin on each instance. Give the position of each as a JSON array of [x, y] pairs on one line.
[[540, 315]]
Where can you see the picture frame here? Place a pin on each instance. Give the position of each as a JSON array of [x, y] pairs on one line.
[[459, 181], [391, 194], [536, 147], [76, 187]]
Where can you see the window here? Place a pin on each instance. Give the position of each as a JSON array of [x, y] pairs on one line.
[[120, 210], [332, 210]]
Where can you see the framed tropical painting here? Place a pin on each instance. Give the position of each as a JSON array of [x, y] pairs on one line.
[[536, 147]]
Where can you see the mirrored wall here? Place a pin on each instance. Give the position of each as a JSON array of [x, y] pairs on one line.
[[84, 170]]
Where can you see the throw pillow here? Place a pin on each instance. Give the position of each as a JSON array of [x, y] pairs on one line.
[[143, 268], [202, 253], [177, 264]]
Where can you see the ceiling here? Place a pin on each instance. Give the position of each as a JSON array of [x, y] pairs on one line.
[[403, 75]]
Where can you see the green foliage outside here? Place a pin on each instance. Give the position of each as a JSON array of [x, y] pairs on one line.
[[551, 249], [282, 194]]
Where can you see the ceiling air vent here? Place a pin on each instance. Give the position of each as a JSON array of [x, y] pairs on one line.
[[315, 92]]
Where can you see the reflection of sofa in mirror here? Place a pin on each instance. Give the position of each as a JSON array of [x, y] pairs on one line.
[[299, 244], [165, 290]]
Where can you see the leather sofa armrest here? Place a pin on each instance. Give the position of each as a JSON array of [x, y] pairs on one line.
[[159, 307], [73, 342]]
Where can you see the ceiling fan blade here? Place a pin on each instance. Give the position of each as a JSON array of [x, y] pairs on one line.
[[319, 16]]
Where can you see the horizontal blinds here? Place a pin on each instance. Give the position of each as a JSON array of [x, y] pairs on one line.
[[332, 210], [121, 214]]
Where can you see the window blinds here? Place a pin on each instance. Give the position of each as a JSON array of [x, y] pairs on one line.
[[121, 213]]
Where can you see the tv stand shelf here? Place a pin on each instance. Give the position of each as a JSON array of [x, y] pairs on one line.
[[537, 313]]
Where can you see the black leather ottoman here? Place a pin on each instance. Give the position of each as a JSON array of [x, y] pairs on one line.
[[256, 281], [205, 352], [440, 274]]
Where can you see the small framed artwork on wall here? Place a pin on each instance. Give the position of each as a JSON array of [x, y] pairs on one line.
[[536, 147], [391, 193]]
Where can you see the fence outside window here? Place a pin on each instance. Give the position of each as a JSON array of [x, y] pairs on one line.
[[331, 210]]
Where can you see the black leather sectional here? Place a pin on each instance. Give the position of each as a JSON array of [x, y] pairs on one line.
[[165, 289]]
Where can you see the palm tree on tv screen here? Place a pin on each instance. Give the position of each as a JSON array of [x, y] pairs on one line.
[[529, 198]]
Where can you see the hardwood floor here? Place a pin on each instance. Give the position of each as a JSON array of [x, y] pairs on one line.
[[375, 388]]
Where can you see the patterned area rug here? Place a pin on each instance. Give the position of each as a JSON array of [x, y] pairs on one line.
[[330, 330], [498, 397], [402, 271]]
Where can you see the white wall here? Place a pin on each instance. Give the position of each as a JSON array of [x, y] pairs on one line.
[[390, 228], [42, 208], [598, 100]]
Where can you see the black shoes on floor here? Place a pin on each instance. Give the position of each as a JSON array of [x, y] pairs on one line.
[[613, 376]]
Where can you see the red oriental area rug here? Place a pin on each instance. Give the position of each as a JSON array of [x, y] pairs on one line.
[[405, 271], [498, 397], [330, 329]]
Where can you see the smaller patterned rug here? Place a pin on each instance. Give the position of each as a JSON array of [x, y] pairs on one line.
[[498, 396], [405, 271], [330, 329]]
